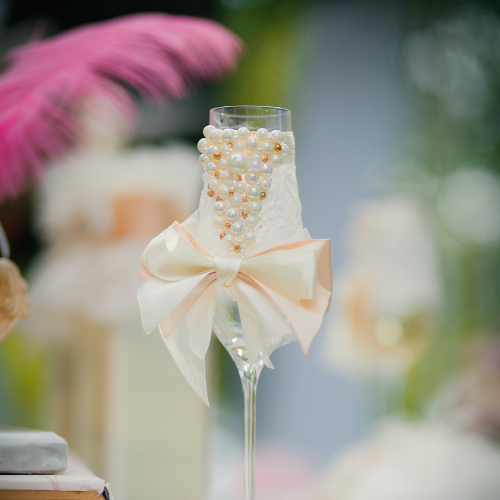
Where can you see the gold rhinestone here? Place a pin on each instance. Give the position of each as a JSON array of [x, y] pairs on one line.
[[239, 177], [217, 175], [222, 235], [244, 214], [265, 159], [230, 144], [217, 156], [277, 147], [218, 198], [227, 225], [244, 199], [231, 191], [237, 247], [210, 193], [262, 195]]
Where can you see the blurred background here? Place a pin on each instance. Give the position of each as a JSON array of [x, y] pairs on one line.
[[396, 119]]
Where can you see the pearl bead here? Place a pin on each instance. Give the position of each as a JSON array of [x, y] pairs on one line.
[[254, 167], [240, 187], [255, 157], [252, 143], [251, 178], [265, 148], [284, 150], [251, 221], [243, 133], [212, 150], [219, 222], [238, 163], [228, 240], [223, 192], [204, 159], [276, 135], [239, 146], [220, 208], [208, 130], [202, 145], [213, 185], [275, 160], [227, 135], [205, 177], [254, 208], [237, 228], [265, 184], [253, 193], [249, 238], [211, 168], [226, 151], [235, 201], [225, 177], [262, 134], [223, 164], [266, 170], [232, 215], [216, 135]]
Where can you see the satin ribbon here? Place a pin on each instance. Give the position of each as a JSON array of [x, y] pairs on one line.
[[286, 288]]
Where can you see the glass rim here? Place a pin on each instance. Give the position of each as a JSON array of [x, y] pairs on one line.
[[280, 111]]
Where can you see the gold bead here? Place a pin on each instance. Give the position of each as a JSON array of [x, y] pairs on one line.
[[222, 235], [265, 159], [239, 177], [237, 247], [227, 225], [244, 199], [244, 214], [262, 195], [217, 156], [230, 144], [217, 175], [210, 193], [252, 133], [218, 198], [277, 147], [231, 191]]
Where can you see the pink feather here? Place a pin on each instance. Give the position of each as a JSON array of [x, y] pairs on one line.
[[42, 91]]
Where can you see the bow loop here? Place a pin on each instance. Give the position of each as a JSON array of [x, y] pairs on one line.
[[171, 257]]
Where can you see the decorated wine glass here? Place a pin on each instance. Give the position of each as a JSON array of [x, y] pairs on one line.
[[242, 264]]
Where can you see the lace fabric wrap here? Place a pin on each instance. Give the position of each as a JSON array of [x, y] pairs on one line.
[[280, 220]]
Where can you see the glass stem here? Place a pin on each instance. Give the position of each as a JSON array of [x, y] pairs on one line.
[[249, 378]]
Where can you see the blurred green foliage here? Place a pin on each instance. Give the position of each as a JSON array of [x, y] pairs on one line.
[[23, 379]]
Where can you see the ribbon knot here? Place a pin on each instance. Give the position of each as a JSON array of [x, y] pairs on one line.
[[283, 291], [226, 270]]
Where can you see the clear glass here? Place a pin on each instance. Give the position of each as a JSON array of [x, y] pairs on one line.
[[252, 117], [227, 324]]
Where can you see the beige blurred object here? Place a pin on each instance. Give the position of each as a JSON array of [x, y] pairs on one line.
[[389, 292], [415, 461], [116, 394], [14, 302]]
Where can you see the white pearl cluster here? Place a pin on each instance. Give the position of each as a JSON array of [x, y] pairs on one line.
[[238, 168]]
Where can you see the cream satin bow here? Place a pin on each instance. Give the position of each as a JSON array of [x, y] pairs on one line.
[[286, 288]]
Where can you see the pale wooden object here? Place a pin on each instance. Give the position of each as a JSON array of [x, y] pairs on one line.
[[49, 495]]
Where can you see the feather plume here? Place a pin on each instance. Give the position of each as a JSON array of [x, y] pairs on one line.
[[48, 82]]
